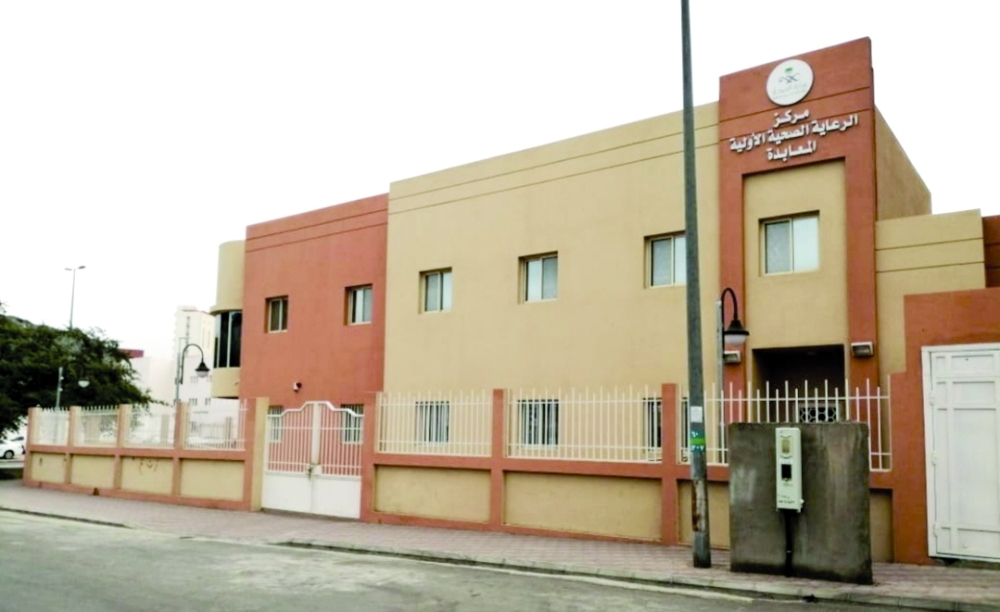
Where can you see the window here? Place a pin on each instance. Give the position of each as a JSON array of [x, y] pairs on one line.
[[350, 432], [193, 401], [277, 315], [432, 422], [666, 260], [791, 245], [193, 379], [437, 291], [359, 305], [228, 329], [274, 423], [208, 401], [654, 421], [540, 276], [539, 422]]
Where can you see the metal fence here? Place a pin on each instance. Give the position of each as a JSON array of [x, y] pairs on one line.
[[456, 424], [216, 428], [96, 426], [826, 403], [52, 426], [151, 426], [317, 438], [611, 425]]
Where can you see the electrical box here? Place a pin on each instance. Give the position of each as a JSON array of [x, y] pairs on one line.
[[788, 453]]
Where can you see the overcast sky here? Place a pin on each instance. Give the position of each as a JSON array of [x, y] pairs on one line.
[[136, 136]]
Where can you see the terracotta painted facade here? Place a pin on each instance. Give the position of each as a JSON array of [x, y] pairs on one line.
[[313, 259]]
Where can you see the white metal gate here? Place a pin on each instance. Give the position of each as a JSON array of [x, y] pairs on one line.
[[312, 460], [962, 424]]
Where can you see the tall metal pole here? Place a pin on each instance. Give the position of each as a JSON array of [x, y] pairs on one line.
[[72, 295], [696, 391], [59, 388]]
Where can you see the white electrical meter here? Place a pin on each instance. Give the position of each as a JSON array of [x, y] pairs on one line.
[[788, 453]]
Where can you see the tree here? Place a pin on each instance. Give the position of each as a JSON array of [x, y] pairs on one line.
[[30, 357]]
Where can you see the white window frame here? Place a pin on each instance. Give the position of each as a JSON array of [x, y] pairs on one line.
[[444, 297], [281, 303], [790, 220], [526, 265], [193, 401], [356, 315], [275, 430], [352, 426], [538, 420], [653, 410], [678, 265], [433, 422]]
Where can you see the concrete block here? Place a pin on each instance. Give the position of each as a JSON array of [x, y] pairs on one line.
[[832, 534]]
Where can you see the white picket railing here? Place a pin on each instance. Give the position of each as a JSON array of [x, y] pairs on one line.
[[616, 424], [808, 404], [216, 428], [96, 426], [151, 426], [52, 427], [457, 424]]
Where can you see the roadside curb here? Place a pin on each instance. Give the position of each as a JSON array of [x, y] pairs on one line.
[[757, 589], [66, 517]]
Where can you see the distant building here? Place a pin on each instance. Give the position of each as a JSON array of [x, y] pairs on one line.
[[155, 374]]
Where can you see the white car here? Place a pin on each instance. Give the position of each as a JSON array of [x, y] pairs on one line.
[[12, 447]]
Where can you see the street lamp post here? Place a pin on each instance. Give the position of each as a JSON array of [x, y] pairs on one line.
[[201, 370], [735, 334], [696, 391], [83, 385], [72, 295]]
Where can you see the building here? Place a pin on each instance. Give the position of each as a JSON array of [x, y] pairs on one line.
[[154, 374], [525, 319]]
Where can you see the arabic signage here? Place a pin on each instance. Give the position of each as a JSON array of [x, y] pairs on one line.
[[773, 138], [789, 82]]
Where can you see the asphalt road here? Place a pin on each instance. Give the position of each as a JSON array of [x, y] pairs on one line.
[[54, 565]]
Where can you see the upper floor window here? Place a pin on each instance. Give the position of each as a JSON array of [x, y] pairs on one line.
[[277, 314], [359, 305], [666, 260], [437, 290], [228, 329], [791, 244], [540, 277], [193, 401]]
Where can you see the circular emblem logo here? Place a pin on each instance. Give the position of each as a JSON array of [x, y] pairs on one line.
[[790, 81]]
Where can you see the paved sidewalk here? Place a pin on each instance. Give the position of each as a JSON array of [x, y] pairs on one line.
[[936, 588]]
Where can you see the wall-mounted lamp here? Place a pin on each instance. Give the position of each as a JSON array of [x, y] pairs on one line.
[[296, 386], [863, 350], [732, 357]]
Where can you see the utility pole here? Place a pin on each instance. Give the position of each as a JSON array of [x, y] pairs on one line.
[[696, 391]]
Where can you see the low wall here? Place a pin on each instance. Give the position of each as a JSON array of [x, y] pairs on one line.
[[223, 479], [459, 495]]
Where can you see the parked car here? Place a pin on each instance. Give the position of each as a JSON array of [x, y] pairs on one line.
[[11, 447]]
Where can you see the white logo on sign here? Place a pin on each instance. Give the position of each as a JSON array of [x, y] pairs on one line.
[[790, 81]]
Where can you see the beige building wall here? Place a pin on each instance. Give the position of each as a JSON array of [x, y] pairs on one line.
[[797, 308], [461, 495], [599, 505], [87, 471], [718, 515], [228, 296], [923, 254], [591, 199], [900, 190], [148, 475], [47, 467], [212, 479]]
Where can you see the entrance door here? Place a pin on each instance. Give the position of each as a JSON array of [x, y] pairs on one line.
[[312, 460], [962, 419]]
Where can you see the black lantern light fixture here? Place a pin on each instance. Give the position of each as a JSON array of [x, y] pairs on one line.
[[735, 334]]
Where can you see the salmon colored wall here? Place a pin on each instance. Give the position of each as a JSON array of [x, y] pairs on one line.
[[842, 86], [935, 319], [991, 240], [313, 258]]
